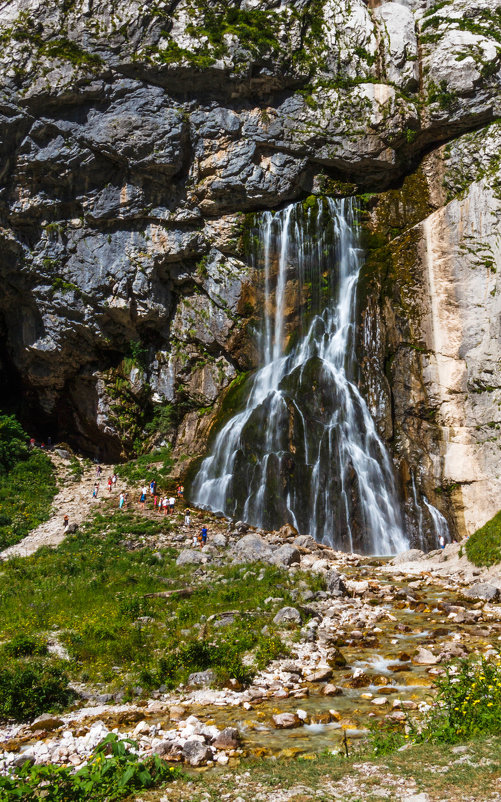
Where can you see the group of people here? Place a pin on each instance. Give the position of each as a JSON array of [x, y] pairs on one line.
[[112, 481], [165, 504]]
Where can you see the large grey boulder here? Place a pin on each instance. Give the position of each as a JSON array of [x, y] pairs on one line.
[[196, 753], [251, 548], [202, 677], [190, 557], [408, 556], [286, 556], [219, 540], [483, 591], [287, 615]]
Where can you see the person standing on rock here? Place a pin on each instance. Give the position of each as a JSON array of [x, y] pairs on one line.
[[95, 490], [165, 504], [180, 491], [153, 487], [187, 517], [172, 502], [114, 481], [441, 542], [110, 483], [121, 501], [66, 523], [142, 499], [99, 471]]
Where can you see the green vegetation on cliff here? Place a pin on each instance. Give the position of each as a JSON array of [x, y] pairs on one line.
[[484, 546], [27, 484]]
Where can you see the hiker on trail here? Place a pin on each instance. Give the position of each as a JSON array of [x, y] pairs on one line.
[[180, 491], [114, 480], [153, 487], [32, 442], [172, 502], [121, 500], [110, 483], [155, 501], [165, 504], [99, 471], [187, 517], [441, 542], [142, 500], [195, 539], [203, 535], [95, 490], [66, 522]]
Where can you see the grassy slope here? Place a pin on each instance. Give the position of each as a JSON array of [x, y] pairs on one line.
[[26, 494], [91, 591], [484, 546]]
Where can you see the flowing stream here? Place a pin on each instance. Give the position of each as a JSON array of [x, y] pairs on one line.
[[305, 449]]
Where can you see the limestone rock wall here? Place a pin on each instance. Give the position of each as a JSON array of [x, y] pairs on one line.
[[134, 138]]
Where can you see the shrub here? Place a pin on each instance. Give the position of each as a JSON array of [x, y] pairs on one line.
[[26, 646], [114, 771], [155, 466], [468, 702], [28, 689], [484, 546], [13, 442]]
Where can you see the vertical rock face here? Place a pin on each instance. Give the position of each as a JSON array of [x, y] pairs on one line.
[[134, 139], [437, 331]]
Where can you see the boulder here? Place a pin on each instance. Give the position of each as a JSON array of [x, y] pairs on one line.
[[305, 542], [196, 753], [335, 584], [408, 556], [202, 677], [286, 721], [219, 540], [321, 674], [252, 548], [287, 615], [47, 722], [424, 657], [286, 556], [170, 750], [190, 557], [482, 591], [332, 690], [228, 738]]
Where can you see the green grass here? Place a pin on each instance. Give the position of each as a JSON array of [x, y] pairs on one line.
[[155, 465], [92, 592], [26, 494], [484, 546]]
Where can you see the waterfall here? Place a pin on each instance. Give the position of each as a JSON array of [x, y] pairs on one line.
[[305, 449], [439, 522]]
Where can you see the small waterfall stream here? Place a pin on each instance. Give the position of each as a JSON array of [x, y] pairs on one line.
[[305, 448]]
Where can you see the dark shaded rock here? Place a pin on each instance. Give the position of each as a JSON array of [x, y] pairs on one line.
[[196, 753], [229, 738]]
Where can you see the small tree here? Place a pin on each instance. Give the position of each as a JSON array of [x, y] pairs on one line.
[[13, 442]]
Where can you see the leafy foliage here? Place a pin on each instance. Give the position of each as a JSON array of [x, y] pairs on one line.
[[27, 483], [484, 546], [468, 702], [155, 465], [113, 772], [30, 688]]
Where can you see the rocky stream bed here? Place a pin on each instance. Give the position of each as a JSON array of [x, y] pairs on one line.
[[363, 651]]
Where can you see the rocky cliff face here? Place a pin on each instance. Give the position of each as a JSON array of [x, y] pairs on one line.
[[135, 137]]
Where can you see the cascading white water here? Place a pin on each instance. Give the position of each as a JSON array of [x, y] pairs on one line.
[[439, 522], [305, 448]]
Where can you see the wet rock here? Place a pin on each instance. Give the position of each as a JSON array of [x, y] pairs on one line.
[[286, 556], [332, 690], [286, 721], [336, 659], [47, 722], [424, 657], [190, 557], [483, 591], [229, 738], [287, 615], [202, 677], [196, 753], [321, 674], [335, 584]]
